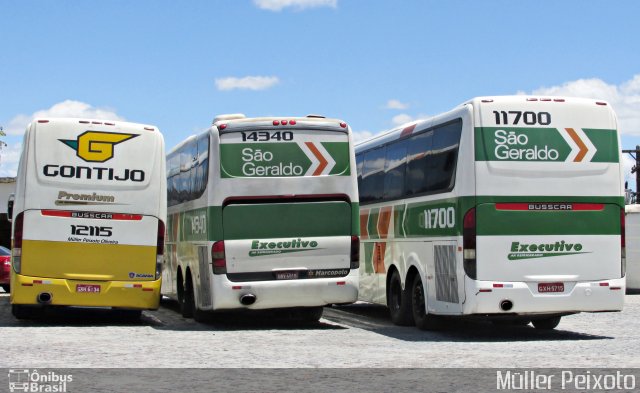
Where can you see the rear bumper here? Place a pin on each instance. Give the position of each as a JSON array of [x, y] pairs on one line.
[[285, 293], [592, 296], [122, 294]]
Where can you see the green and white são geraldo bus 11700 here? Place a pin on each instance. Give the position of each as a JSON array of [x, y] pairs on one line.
[[263, 214], [506, 207]]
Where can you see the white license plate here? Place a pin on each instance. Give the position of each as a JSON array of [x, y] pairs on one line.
[[87, 288]]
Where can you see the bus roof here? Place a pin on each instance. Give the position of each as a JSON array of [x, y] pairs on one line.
[[279, 122], [421, 124]]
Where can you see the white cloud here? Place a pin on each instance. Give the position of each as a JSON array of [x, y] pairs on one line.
[[278, 5], [68, 108], [395, 104], [624, 98], [401, 119], [362, 135], [247, 83], [9, 158]]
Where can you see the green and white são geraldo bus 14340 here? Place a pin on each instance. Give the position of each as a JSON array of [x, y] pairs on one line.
[[506, 207], [263, 214]]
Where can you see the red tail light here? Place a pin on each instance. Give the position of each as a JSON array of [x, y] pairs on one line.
[[159, 249], [469, 243], [355, 252], [623, 248], [218, 258], [160, 240], [16, 250]]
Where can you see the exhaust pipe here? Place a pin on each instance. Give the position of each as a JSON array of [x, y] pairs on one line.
[[506, 305], [44, 298], [248, 299]]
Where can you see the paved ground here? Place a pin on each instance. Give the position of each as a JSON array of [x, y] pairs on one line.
[[351, 336]]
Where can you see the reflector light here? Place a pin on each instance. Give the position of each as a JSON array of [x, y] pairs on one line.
[[532, 99], [24, 284], [545, 99], [292, 122], [147, 289], [37, 281], [83, 122], [222, 127], [284, 122], [601, 103], [498, 285], [615, 288], [486, 290], [487, 100], [96, 122], [276, 122], [341, 283], [604, 284], [558, 100], [43, 121], [109, 124], [149, 128], [137, 285], [236, 287], [343, 125]]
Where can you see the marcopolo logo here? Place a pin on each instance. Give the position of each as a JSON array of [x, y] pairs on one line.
[[261, 248], [544, 250], [96, 146]]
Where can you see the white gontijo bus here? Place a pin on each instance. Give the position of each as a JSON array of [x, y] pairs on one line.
[[88, 216], [263, 214], [506, 207]]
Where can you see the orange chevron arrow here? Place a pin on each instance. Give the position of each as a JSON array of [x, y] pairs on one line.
[[583, 148], [319, 156]]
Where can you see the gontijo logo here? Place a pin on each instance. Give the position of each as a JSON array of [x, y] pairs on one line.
[[96, 146]]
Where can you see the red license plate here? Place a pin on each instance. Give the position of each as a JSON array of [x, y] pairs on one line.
[[87, 288], [547, 287]]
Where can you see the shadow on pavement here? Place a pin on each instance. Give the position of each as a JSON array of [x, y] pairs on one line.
[[464, 329]]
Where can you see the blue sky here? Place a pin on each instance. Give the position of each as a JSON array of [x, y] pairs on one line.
[[372, 63]]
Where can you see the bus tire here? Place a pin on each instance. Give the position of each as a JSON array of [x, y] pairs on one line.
[[399, 301], [188, 303], [423, 320], [546, 324], [310, 314], [22, 312]]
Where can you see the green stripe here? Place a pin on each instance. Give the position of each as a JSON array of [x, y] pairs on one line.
[[280, 220], [491, 222], [339, 151], [539, 144]]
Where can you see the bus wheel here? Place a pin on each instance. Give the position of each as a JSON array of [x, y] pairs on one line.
[[129, 315], [546, 324], [423, 320], [310, 314], [188, 303], [399, 301], [22, 312]]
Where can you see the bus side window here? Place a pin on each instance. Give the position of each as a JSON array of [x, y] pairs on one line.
[[373, 176], [394, 168], [202, 168], [445, 155], [419, 163]]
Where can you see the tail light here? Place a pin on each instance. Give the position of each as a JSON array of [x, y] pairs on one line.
[[469, 244], [218, 258], [623, 248], [16, 250], [355, 252], [159, 249]]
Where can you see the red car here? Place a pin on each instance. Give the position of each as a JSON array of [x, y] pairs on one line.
[[5, 268]]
